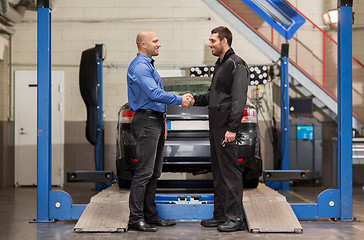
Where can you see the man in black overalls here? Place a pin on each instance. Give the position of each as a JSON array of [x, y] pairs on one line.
[[226, 98]]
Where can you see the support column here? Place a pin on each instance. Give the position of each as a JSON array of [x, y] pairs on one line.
[[99, 147], [44, 113], [284, 112], [345, 102]]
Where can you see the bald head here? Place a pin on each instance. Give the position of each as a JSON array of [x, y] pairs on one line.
[[143, 36], [148, 43]]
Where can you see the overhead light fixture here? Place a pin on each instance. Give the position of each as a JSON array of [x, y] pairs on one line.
[[331, 18]]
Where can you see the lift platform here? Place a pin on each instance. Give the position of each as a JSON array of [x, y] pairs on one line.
[[268, 211], [108, 211], [51, 204], [265, 209]]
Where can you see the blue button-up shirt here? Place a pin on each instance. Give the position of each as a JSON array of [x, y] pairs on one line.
[[145, 87]]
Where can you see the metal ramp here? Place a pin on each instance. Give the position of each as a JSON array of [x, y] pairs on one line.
[[267, 211], [108, 211]]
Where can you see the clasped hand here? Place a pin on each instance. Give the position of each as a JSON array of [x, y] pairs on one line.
[[187, 100]]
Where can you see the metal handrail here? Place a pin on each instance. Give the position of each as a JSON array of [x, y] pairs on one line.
[[323, 55]]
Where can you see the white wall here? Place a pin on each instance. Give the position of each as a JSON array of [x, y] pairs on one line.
[[184, 42]]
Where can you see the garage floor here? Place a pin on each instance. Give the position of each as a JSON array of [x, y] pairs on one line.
[[18, 207]]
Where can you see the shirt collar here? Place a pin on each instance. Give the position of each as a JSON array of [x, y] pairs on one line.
[[229, 52], [151, 60]]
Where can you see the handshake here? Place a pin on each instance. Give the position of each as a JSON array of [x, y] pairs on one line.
[[187, 100]]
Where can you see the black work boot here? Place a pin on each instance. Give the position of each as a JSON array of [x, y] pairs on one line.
[[141, 226], [212, 222], [231, 226], [158, 221]]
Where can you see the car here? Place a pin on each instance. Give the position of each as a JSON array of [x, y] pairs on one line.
[[187, 147]]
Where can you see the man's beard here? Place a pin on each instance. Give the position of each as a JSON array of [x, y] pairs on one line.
[[217, 52]]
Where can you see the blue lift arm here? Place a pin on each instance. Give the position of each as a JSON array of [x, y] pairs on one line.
[[279, 15]]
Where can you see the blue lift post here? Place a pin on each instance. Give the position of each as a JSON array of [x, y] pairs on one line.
[[102, 178], [99, 148], [338, 203], [344, 85], [50, 204], [285, 113], [44, 112], [331, 203], [284, 185]]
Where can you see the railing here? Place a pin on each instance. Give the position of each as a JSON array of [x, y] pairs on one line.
[[311, 49]]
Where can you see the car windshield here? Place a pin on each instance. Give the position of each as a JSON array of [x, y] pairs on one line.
[[179, 86]]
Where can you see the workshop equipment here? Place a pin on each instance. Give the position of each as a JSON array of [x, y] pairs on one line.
[[265, 209], [332, 203], [305, 147]]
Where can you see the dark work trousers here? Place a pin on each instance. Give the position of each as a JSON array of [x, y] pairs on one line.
[[148, 130], [227, 176]]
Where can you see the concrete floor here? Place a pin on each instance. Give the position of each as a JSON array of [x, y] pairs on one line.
[[18, 207]]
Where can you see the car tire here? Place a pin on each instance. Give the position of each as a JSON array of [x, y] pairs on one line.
[[124, 183], [250, 183]]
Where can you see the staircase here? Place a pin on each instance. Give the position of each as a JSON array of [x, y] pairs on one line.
[[313, 57]]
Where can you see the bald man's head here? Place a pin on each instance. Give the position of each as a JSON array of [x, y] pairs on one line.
[[148, 43], [143, 36]]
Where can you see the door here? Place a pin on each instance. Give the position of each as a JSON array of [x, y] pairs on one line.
[[26, 128]]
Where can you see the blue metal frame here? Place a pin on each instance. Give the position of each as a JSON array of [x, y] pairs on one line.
[[284, 118], [279, 15], [44, 114], [99, 148], [50, 204], [337, 203], [345, 79], [169, 206], [327, 206], [332, 203], [284, 124]]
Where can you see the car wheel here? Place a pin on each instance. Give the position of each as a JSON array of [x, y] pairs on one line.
[[250, 183], [124, 183]]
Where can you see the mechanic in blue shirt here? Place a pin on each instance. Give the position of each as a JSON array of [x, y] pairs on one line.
[[148, 100]]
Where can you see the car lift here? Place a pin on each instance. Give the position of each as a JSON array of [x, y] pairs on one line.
[[332, 203], [102, 178]]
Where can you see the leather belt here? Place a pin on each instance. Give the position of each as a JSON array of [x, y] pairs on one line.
[[152, 112]]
